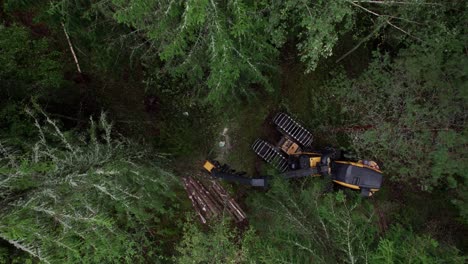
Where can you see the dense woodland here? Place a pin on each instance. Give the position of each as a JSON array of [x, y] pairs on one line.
[[106, 104]]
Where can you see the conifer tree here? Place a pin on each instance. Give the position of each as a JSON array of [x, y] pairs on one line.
[[85, 199]]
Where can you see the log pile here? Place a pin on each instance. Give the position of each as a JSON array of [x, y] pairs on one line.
[[211, 200]]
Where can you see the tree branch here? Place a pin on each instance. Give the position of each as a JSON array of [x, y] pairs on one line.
[[360, 43], [71, 48], [402, 30], [387, 21]]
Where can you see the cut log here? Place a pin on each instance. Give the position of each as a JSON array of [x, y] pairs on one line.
[[210, 200]]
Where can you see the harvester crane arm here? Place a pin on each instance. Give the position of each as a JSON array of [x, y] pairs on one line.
[[224, 172]]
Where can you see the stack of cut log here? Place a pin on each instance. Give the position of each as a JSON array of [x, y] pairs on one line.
[[211, 200]]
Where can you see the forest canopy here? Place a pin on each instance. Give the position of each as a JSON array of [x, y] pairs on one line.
[[107, 105]]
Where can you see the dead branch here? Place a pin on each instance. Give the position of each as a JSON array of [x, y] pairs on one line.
[[402, 30], [360, 43], [71, 48], [387, 21]]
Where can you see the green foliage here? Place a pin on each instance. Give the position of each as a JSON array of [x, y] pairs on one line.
[[305, 225], [225, 49], [72, 199], [409, 105], [317, 24], [300, 224], [13, 125], [27, 66], [101, 44], [218, 245], [461, 201], [10, 256], [403, 246], [416, 22], [15, 5], [415, 108], [192, 38]]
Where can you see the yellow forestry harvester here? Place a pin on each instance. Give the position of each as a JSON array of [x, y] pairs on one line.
[[294, 158]]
